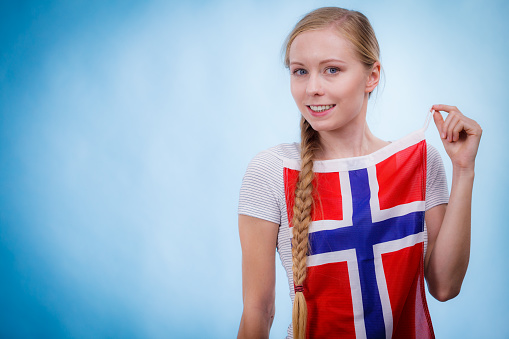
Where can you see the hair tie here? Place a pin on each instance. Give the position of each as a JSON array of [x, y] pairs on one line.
[[299, 288]]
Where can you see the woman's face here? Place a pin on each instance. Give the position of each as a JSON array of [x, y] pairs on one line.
[[328, 82]]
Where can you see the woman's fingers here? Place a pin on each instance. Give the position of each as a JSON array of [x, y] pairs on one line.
[[471, 127], [454, 122], [445, 108], [439, 122], [451, 122], [445, 128], [456, 130]]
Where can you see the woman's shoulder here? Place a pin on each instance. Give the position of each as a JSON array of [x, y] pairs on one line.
[[269, 162], [279, 153]]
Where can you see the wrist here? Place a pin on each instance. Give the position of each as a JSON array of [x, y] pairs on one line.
[[468, 172]]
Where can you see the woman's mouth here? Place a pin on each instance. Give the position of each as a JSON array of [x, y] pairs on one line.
[[319, 110]]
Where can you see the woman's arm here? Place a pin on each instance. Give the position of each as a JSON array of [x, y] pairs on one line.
[[448, 226], [258, 240]]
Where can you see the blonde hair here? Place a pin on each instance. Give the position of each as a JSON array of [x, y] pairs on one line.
[[354, 27]]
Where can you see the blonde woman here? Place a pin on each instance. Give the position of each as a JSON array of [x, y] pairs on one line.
[[358, 222]]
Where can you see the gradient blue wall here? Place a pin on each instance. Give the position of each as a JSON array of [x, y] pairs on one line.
[[126, 127]]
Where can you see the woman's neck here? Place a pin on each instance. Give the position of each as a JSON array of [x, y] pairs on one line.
[[347, 143]]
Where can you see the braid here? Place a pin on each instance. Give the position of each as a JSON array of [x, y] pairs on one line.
[[301, 221]]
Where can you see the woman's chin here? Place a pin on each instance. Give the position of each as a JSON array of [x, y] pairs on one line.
[[321, 126]]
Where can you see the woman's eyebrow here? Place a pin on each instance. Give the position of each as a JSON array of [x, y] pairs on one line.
[[321, 62], [332, 60]]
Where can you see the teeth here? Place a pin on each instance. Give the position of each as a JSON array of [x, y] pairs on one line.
[[320, 108]]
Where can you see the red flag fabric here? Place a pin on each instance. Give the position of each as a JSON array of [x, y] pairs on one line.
[[365, 274]]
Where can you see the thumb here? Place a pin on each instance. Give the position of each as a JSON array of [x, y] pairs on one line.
[[439, 122]]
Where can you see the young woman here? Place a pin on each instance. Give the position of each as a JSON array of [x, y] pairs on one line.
[[358, 221]]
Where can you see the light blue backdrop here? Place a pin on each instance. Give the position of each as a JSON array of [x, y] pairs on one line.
[[126, 127]]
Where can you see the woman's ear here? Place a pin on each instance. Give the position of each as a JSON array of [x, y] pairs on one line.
[[373, 77]]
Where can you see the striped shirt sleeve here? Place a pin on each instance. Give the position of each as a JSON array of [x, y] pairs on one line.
[[437, 192], [262, 183]]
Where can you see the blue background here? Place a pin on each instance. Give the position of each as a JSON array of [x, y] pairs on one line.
[[126, 128]]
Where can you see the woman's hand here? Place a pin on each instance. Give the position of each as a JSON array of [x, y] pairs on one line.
[[460, 136]]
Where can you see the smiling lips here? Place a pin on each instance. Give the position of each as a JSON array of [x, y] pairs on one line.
[[320, 110]]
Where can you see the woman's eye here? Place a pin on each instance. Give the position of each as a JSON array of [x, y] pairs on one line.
[[332, 70], [300, 71]]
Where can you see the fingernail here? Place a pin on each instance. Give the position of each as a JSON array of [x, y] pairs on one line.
[[443, 135]]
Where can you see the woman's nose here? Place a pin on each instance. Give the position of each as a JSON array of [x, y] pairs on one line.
[[314, 86]]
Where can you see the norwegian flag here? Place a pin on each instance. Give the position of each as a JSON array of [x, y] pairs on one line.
[[365, 275]]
